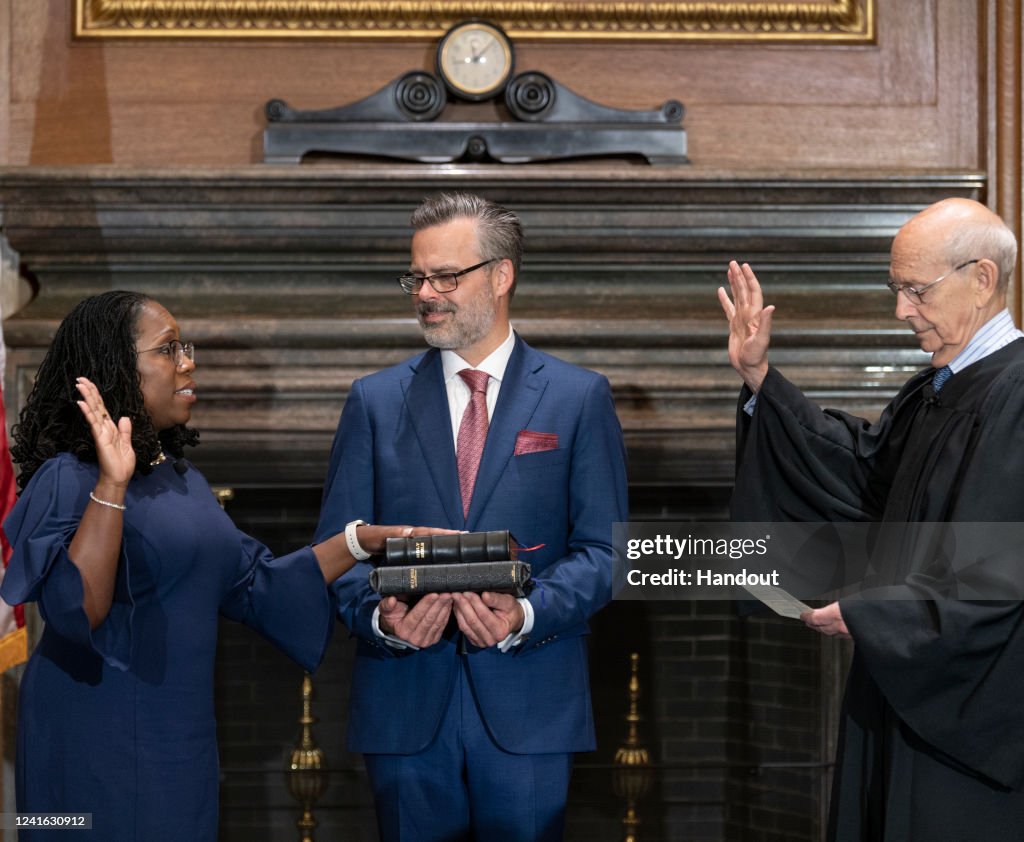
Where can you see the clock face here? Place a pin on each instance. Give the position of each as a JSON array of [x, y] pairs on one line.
[[475, 60]]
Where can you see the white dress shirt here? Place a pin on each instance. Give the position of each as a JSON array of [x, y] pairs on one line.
[[459, 395]]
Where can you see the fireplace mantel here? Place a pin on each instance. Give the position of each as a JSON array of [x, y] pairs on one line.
[[283, 277]]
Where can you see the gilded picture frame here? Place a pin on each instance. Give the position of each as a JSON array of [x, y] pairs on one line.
[[844, 21]]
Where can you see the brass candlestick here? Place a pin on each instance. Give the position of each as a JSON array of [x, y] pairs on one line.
[[224, 495], [632, 753], [307, 778], [634, 773]]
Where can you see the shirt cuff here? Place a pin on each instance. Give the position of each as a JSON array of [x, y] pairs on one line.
[[391, 640], [748, 407], [518, 637]]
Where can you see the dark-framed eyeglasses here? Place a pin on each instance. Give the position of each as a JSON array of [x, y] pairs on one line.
[[915, 293], [441, 282], [177, 351]]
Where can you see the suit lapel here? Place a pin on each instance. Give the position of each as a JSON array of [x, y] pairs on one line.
[[521, 391], [426, 404]]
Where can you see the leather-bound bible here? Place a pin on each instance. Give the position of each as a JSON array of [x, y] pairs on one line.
[[502, 576], [461, 548]]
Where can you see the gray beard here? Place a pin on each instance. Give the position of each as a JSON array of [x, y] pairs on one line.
[[468, 325]]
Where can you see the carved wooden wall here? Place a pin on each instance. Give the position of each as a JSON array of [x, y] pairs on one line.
[[911, 100], [941, 89], [284, 279]]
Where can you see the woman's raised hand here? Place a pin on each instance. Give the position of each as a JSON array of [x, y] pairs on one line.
[[114, 450]]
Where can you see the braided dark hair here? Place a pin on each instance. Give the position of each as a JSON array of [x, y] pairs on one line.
[[96, 340]]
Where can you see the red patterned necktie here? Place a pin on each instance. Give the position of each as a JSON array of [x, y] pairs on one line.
[[472, 433]]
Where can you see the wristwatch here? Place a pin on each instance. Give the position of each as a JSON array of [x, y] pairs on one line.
[[358, 553]]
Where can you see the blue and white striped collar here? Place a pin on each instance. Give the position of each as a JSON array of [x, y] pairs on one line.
[[996, 333]]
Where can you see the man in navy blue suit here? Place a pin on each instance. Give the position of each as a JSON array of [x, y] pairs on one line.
[[468, 707]]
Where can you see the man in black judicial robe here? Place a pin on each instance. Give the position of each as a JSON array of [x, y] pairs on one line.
[[932, 734]]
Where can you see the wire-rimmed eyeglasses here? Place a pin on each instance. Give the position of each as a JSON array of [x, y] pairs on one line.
[[915, 293], [177, 351], [441, 282]]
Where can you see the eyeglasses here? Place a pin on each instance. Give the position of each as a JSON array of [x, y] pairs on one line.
[[442, 282], [915, 294], [177, 351]]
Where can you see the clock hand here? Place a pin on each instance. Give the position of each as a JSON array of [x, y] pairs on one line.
[[481, 57]]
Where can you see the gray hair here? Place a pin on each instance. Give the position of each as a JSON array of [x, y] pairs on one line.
[[499, 232], [975, 240]]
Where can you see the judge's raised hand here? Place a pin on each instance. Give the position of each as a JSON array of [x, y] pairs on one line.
[[827, 620], [750, 324], [421, 625], [114, 451], [488, 618]]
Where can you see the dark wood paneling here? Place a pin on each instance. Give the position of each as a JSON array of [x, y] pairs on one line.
[[1004, 92], [284, 279], [911, 100]]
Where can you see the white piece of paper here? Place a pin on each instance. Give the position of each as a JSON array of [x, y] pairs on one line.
[[781, 602]]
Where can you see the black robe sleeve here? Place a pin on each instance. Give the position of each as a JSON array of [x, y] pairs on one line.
[[797, 462]]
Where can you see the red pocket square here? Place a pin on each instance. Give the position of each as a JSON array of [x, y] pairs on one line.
[[530, 442]]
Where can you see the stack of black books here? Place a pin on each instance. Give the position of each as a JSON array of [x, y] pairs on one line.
[[467, 561]]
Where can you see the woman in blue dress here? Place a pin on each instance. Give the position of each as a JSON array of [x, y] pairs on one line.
[[122, 544]]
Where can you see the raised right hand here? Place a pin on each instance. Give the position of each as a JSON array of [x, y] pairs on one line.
[[750, 324], [96, 547], [421, 625], [114, 451]]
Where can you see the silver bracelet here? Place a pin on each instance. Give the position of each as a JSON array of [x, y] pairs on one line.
[[96, 499], [358, 553]]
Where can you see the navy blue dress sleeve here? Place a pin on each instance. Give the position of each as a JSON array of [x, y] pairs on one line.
[[40, 529], [285, 599]]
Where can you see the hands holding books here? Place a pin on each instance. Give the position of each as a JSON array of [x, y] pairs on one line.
[[465, 574], [486, 618], [422, 624]]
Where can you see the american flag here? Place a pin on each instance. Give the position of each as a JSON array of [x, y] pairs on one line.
[[13, 635]]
